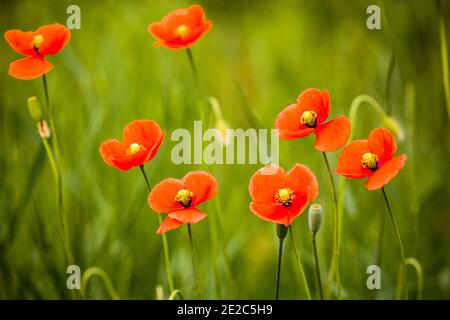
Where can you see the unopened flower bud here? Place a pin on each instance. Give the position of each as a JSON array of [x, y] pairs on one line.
[[44, 129], [35, 108], [314, 217], [394, 126], [282, 231]]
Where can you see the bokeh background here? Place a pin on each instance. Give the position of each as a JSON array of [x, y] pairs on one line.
[[256, 60]]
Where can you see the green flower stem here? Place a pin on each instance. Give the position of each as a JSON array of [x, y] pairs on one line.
[[104, 276], [419, 273], [164, 239], [176, 293], [51, 122], [193, 67], [379, 247], [280, 254], [402, 248], [316, 258], [335, 259], [196, 263], [444, 55], [300, 265]]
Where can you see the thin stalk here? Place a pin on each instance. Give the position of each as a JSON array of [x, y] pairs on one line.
[[176, 293], [280, 254], [163, 237], [193, 67], [379, 247], [400, 243], [316, 258], [335, 259], [444, 55], [419, 273], [51, 122], [299, 263], [104, 276], [196, 263]]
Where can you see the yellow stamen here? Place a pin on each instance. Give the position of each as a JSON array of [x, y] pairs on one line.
[[184, 197], [134, 148], [182, 31], [37, 41], [370, 161], [309, 118], [285, 196]]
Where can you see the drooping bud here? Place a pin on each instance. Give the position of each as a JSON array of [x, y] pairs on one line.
[[44, 129], [282, 231], [394, 126], [314, 217], [34, 107]]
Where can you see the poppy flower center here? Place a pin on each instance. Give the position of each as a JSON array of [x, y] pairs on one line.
[[134, 148], [182, 31], [184, 197], [284, 196], [370, 161], [37, 41], [309, 118]]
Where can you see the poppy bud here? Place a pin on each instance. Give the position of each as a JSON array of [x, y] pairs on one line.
[[35, 108], [44, 129], [282, 231], [394, 126], [314, 218]]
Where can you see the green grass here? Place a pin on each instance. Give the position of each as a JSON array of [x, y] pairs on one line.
[[256, 60]]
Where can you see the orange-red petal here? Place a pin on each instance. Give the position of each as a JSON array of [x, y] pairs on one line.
[[162, 197], [386, 172], [314, 100], [288, 124], [297, 206], [168, 224], [302, 181], [333, 134], [20, 41], [202, 184], [266, 182], [55, 35], [349, 161], [382, 143], [29, 68], [270, 212], [190, 215]]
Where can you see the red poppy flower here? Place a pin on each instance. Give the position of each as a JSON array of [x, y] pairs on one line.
[[308, 115], [372, 158], [180, 28], [35, 45], [280, 197], [141, 140], [179, 197]]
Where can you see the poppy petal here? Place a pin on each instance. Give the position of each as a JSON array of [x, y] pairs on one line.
[[349, 161], [168, 224], [29, 68], [299, 204], [332, 135], [314, 100], [266, 182], [188, 215], [382, 143], [55, 35], [20, 41], [386, 172], [111, 149], [144, 132], [302, 181], [202, 184], [288, 124], [162, 197], [271, 212]]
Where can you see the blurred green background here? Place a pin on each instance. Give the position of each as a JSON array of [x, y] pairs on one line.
[[256, 60]]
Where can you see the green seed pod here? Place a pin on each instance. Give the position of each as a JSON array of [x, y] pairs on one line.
[[35, 108], [314, 217], [282, 231]]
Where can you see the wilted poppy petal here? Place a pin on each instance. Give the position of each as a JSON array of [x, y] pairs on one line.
[[386, 172], [333, 134], [202, 184], [302, 181], [270, 212], [168, 224], [20, 41], [162, 197], [266, 182], [314, 100], [349, 161], [29, 68], [382, 143], [55, 35], [288, 124], [188, 215]]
